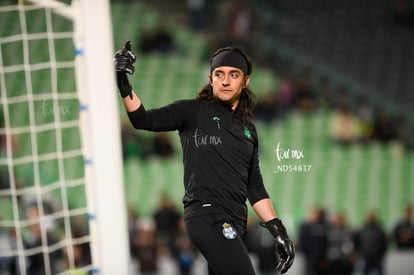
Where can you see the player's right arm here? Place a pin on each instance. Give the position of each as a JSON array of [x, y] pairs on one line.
[[124, 64], [167, 118]]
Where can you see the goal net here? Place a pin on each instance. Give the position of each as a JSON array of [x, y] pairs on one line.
[[61, 188]]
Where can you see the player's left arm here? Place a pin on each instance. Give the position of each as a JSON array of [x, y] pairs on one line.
[[262, 205]]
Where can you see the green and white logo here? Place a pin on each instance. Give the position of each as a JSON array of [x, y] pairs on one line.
[[247, 132], [217, 120]]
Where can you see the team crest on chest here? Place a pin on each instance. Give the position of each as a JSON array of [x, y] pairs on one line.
[[228, 231]]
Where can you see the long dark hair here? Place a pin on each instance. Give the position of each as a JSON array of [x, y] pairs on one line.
[[247, 101]]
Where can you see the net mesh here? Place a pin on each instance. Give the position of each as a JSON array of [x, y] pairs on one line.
[[43, 217]]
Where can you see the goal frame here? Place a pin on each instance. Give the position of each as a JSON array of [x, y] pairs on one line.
[[100, 131]]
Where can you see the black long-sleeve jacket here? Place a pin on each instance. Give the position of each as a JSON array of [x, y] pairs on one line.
[[221, 165]]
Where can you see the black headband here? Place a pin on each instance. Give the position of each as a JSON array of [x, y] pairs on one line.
[[229, 58]]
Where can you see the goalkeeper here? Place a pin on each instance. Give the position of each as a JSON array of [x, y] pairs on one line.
[[221, 164]]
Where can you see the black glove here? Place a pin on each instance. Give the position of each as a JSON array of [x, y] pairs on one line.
[[284, 245], [124, 63]]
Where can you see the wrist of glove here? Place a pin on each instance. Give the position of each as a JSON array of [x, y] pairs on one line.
[[125, 88], [284, 245], [124, 64]]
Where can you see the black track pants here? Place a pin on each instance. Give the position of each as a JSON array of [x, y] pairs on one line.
[[225, 255]]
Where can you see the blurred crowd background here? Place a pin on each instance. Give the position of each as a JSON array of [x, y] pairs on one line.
[[353, 59]]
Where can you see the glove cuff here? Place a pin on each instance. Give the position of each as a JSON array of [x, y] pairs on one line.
[[125, 88], [275, 226]]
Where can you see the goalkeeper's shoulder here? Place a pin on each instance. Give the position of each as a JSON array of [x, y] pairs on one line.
[[185, 109], [189, 105]]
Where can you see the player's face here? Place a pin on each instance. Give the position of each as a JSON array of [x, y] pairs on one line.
[[228, 83]]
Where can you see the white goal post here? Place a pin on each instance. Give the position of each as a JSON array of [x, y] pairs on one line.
[[100, 131], [106, 192]]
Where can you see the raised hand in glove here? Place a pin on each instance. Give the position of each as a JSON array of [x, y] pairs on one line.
[[284, 245], [124, 63]]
